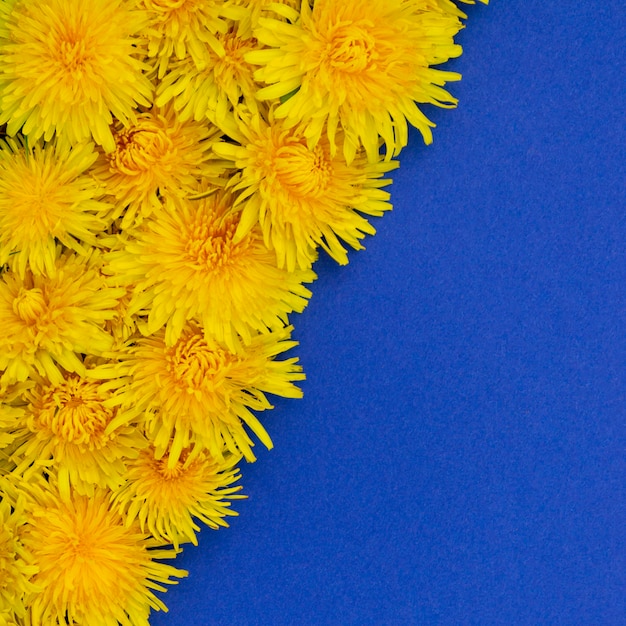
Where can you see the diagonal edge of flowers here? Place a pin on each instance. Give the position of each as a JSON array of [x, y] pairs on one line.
[[169, 171]]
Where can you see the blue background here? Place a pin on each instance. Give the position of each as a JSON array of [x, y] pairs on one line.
[[458, 457]]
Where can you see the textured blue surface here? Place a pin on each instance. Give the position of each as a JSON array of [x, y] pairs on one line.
[[459, 454]]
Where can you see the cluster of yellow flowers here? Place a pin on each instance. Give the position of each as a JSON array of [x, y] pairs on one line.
[[168, 171]]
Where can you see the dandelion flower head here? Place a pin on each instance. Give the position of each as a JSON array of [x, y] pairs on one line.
[[68, 67], [185, 29], [199, 392], [256, 9], [92, 569], [46, 197], [361, 66], [168, 500], [85, 442], [223, 81], [302, 197], [49, 322], [186, 265], [157, 156]]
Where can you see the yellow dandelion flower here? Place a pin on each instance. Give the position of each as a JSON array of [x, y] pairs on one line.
[[156, 156], [72, 428], [93, 570], [261, 8], [360, 66], [303, 197], [45, 197], [217, 87], [165, 500], [199, 392], [185, 28], [68, 67], [47, 322], [16, 563], [186, 265]]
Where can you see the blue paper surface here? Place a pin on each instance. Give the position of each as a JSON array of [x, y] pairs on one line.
[[459, 456]]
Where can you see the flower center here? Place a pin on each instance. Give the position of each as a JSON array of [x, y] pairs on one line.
[[140, 148], [81, 546], [73, 55], [72, 411], [30, 305], [196, 366], [166, 473], [351, 49], [210, 243], [232, 67], [38, 203], [170, 474], [169, 487], [303, 172]]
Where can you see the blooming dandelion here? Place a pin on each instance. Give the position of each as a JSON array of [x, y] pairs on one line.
[[167, 500], [92, 569], [186, 265], [186, 28], [218, 86], [156, 156], [199, 392], [46, 197], [48, 322], [361, 66], [69, 67], [255, 9], [303, 197], [85, 441]]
